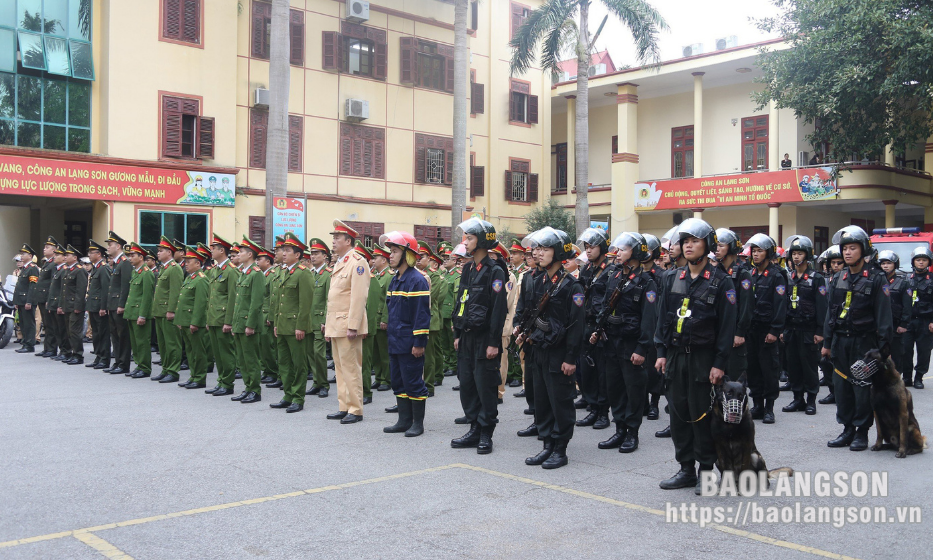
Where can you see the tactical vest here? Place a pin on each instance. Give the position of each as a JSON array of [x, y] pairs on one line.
[[625, 319], [763, 289], [473, 306], [851, 307], [921, 293], [801, 308], [897, 286], [594, 283], [694, 311], [551, 327]]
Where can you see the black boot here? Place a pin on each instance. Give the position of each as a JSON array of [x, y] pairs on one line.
[[469, 439], [757, 411], [602, 422], [699, 487], [404, 417], [543, 455], [588, 420], [685, 478], [786, 387], [828, 399], [484, 447], [843, 439], [580, 404], [631, 441], [860, 441], [417, 425], [530, 431], [918, 382], [768, 416], [665, 433], [615, 440], [810, 408], [797, 404], [558, 457], [653, 413]]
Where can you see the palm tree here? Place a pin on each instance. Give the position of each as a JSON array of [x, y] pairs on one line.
[[277, 132], [549, 23], [458, 186]]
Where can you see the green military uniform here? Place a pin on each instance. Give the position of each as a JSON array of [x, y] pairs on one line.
[[321, 287], [168, 286], [452, 279], [74, 292], [97, 289], [139, 305], [50, 344], [192, 310], [292, 310], [58, 320], [210, 272], [247, 314], [373, 304], [381, 343], [25, 294], [439, 293], [267, 350], [220, 313]]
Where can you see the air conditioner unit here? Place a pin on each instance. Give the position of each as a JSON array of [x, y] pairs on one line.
[[357, 11], [693, 50], [596, 70], [727, 42], [357, 110], [562, 77], [261, 98]]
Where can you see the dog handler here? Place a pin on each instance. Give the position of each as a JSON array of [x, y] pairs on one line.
[[859, 319]]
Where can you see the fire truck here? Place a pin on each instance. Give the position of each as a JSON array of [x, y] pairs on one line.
[[902, 241]]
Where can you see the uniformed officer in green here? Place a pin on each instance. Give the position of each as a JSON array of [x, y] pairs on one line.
[[96, 306], [24, 298], [432, 356], [209, 270], [267, 353], [451, 274], [191, 318], [320, 274], [248, 321], [373, 304], [292, 310], [382, 274], [46, 270], [74, 291], [121, 272], [138, 311], [58, 322], [168, 286], [220, 316]]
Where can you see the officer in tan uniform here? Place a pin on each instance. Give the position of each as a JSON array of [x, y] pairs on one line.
[[346, 323], [501, 255]]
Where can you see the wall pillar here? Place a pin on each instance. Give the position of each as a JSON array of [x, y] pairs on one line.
[[889, 155], [697, 213], [774, 147], [889, 214], [698, 124], [625, 162], [571, 143], [774, 229]]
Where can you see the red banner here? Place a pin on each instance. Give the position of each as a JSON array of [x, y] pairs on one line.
[[101, 181], [798, 185]]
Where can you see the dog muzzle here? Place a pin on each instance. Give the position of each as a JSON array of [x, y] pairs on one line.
[[860, 372], [732, 409]]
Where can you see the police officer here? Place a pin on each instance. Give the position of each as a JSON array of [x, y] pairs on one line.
[[769, 312], [655, 381], [803, 333], [595, 242], [267, 353], [382, 275], [138, 311], [74, 292], [526, 303], [695, 334], [859, 319], [191, 318], [629, 324], [675, 260], [220, 315], [168, 286], [98, 287], [409, 318], [50, 344], [901, 307], [432, 355], [727, 252], [920, 333], [248, 320], [555, 342], [834, 264], [292, 291], [24, 298], [320, 285], [479, 313]]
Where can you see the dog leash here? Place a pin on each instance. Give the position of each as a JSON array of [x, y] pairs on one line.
[[712, 398]]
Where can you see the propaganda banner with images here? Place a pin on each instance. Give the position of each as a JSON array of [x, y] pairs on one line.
[[288, 214]]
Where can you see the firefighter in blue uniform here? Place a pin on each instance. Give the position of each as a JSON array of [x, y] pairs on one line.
[[920, 333]]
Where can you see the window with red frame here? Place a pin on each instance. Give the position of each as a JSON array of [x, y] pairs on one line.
[[755, 143], [682, 151]]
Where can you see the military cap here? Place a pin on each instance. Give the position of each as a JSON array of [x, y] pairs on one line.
[[516, 246], [218, 240], [292, 240], [179, 246], [278, 241], [315, 244], [193, 253], [27, 249], [340, 227], [59, 249], [203, 250], [70, 250], [380, 251], [95, 246], [53, 242], [166, 243], [363, 251], [263, 252], [248, 244], [113, 238]]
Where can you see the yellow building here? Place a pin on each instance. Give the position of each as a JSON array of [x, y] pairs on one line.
[[149, 118], [686, 139]]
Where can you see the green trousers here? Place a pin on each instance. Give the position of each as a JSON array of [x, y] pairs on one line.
[[317, 354], [247, 353], [141, 343], [515, 367], [170, 344], [224, 353], [195, 344], [293, 362], [436, 340], [447, 344], [369, 349], [381, 358], [268, 352], [430, 359]]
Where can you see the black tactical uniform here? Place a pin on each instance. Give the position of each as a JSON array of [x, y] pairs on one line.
[[655, 381], [901, 311], [919, 335], [526, 304], [592, 378], [769, 310], [806, 313], [742, 280], [25, 293]]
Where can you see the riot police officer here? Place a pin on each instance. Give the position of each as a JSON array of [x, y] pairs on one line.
[[676, 260], [920, 333], [727, 253], [555, 340], [859, 318], [695, 333], [595, 242], [655, 381], [478, 317], [803, 333], [525, 305], [901, 307], [769, 310], [834, 264]]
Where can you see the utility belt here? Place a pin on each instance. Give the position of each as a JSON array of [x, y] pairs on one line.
[[614, 319], [850, 333], [802, 322], [690, 348], [542, 325]]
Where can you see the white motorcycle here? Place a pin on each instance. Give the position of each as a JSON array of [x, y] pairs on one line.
[[7, 312]]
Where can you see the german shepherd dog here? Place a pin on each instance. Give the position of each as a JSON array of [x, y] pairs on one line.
[[894, 408], [733, 429]]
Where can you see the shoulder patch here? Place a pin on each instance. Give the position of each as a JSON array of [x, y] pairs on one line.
[[651, 296], [328, 269], [730, 295], [822, 290], [497, 286], [746, 284], [359, 270], [578, 299], [201, 274], [508, 286], [886, 289], [302, 267], [779, 290]]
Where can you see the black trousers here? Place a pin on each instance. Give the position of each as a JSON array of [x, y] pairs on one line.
[[593, 381], [100, 331], [61, 328], [738, 362], [626, 383], [655, 379], [27, 325], [688, 396], [479, 380], [554, 413], [50, 343], [919, 335], [853, 403], [764, 364], [902, 358], [120, 338], [803, 358], [76, 333]]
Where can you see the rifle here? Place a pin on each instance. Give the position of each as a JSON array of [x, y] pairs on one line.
[[526, 325], [602, 318]]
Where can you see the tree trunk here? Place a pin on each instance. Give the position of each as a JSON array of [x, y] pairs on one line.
[[582, 123], [277, 133], [461, 70]]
